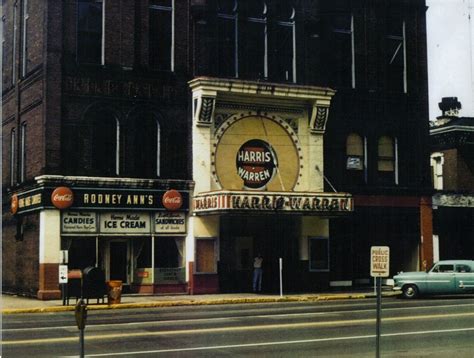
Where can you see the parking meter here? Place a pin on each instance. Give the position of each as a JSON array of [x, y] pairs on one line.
[[80, 312]]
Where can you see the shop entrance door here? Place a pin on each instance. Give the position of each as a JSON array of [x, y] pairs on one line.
[[119, 258]]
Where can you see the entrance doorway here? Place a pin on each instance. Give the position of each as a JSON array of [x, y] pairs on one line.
[[119, 261], [244, 237]]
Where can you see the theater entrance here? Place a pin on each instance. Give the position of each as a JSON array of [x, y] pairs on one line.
[[244, 237]]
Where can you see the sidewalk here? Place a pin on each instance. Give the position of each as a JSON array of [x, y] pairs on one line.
[[17, 304]]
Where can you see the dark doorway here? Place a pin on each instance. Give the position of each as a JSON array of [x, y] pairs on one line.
[[244, 237], [119, 260]]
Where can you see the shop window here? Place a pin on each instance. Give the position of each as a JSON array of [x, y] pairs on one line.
[[12, 157], [142, 252], [161, 36], [82, 252], [342, 55], [354, 152], [227, 30], [386, 164], [22, 155], [284, 51], [90, 42], [318, 254], [395, 54], [24, 31], [169, 252], [206, 261]]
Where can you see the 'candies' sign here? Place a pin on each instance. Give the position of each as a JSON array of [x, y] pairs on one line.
[[256, 163]]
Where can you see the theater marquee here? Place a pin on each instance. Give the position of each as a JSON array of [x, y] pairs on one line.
[[297, 202]]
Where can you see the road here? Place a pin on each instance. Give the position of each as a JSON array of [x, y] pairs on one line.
[[440, 327]]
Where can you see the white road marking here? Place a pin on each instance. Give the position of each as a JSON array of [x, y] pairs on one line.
[[262, 344]]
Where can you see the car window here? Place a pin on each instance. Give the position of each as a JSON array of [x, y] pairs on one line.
[[463, 268], [443, 268]]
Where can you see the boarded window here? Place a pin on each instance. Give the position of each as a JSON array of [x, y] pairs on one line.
[[205, 256], [354, 152]]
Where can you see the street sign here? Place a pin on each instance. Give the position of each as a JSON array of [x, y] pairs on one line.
[[379, 261], [62, 273]]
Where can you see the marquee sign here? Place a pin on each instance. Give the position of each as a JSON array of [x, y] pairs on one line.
[[297, 202]]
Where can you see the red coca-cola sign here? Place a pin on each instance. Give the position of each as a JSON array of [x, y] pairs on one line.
[[172, 200], [14, 204], [62, 197]]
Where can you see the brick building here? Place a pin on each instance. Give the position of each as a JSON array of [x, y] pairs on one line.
[[167, 142]]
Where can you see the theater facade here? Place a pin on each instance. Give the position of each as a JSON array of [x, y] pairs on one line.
[[259, 186]]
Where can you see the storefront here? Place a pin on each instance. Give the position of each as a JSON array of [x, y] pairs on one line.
[[260, 186], [135, 235]]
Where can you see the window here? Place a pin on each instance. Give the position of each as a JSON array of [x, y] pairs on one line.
[[12, 157], [14, 43], [342, 58], [22, 156], [161, 37], [206, 261], [105, 145], [146, 146], [82, 252], [386, 164], [354, 152], [437, 162], [142, 252], [284, 52], [227, 29], [318, 254], [169, 252], [90, 41], [463, 268], [444, 268], [395, 57], [24, 49], [253, 46]]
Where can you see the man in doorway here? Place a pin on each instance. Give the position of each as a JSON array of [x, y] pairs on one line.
[[257, 273]]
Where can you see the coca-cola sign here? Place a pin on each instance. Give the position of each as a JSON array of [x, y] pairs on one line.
[[62, 197], [256, 163], [14, 204], [172, 200]]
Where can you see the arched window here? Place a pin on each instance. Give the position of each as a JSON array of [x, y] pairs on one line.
[[106, 145], [354, 152], [143, 152]]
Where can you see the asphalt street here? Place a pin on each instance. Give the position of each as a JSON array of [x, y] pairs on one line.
[[437, 327]]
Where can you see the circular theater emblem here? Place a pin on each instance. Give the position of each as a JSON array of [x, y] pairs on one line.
[[256, 163], [62, 197], [172, 200]]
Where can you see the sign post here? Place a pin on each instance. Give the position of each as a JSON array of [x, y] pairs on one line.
[[379, 267]]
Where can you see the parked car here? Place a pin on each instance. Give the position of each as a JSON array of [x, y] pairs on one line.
[[444, 277]]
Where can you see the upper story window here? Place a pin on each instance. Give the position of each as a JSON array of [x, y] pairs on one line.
[[437, 162], [24, 48], [284, 44], [13, 157], [227, 35], [354, 152], [14, 42], [387, 162], [22, 155], [342, 50], [395, 54], [90, 32], [161, 37], [144, 138], [253, 51]]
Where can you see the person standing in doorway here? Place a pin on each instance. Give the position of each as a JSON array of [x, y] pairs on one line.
[[257, 273]]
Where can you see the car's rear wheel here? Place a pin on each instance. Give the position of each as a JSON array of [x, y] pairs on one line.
[[410, 291]]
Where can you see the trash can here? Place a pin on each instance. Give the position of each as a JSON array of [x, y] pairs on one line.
[[114, 291]]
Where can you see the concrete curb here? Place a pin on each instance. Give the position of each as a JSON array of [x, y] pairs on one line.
[[190, 302]]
